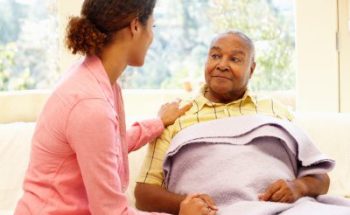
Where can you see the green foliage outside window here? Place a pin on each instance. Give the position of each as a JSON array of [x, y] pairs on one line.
[[184, 31], [29, 43]]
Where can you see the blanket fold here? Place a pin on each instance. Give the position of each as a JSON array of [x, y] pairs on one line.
[[235, 159]]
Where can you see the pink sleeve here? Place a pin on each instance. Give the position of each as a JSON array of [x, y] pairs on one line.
[[92, 135], [143, 132]]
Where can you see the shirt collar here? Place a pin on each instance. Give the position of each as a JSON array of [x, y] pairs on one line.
[[200, 101], [96, 68]]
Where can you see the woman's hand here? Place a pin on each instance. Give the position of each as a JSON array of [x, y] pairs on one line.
[[195, 205], [169, 112], [208, 200]]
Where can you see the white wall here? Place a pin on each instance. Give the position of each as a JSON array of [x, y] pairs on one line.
[[317, 58], [344, 42]]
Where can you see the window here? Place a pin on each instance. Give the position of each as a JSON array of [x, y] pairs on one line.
[[28, 44], [185, 28]]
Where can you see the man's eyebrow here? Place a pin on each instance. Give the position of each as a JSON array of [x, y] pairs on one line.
[[235, 52], [215, 48]]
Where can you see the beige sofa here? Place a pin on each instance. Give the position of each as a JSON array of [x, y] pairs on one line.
[[18, 111]]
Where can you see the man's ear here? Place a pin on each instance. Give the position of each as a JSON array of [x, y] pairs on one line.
[[252, 69], [135, 27]]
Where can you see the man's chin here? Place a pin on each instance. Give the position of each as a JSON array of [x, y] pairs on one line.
[[224, 95], [221, 90]]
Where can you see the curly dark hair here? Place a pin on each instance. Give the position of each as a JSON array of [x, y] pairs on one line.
[[100, 19]]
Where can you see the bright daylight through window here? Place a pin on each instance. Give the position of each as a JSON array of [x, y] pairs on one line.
[[184, 29], [29, 43]]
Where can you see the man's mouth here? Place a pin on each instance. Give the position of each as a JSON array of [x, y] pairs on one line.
[[221, 77]]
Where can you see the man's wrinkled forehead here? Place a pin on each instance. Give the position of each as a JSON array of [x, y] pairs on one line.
[[234, 41], [233, 51]]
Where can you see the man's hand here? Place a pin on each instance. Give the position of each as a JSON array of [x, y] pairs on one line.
[[169, 112], [290, 191], [283, 191]]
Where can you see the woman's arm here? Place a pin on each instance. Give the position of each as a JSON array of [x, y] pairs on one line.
[[92, 136], [143, 132]]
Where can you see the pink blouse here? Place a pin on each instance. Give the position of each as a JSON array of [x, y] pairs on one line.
[[79, 155]]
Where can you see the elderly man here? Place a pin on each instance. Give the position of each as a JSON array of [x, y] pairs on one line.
[[229, 67]]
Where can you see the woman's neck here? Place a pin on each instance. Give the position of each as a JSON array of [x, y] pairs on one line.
[[114, 60]]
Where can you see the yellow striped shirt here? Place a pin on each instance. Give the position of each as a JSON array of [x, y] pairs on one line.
[[201, 111]]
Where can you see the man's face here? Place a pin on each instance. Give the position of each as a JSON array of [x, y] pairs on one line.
[[228, 68]]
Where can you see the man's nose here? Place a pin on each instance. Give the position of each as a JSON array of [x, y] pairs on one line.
[[223, 66]]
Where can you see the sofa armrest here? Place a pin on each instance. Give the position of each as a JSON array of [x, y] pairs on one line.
[[330, 132]]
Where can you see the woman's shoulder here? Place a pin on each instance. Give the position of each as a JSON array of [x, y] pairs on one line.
[[78, 84]]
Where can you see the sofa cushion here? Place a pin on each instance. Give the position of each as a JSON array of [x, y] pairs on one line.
[[15, 139]]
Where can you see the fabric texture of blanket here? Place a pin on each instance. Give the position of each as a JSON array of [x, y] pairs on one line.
[[235, 159]]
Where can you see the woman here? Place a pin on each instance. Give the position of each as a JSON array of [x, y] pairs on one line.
[[79, 161]]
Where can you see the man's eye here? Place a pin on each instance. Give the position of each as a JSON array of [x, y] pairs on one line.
[[235, 59], [215, 56]]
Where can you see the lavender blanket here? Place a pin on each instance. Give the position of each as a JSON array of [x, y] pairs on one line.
[[235, 159]]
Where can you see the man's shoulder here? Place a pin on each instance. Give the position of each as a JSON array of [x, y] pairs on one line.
[[186, 119], [195, 99], [270, 103]]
